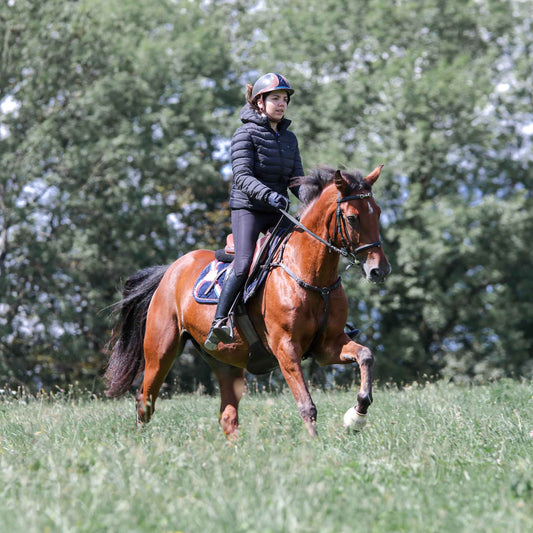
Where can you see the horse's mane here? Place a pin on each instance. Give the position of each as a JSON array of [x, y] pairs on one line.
[[311, 186]]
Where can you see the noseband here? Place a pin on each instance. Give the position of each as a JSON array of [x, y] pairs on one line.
[[347, 248]]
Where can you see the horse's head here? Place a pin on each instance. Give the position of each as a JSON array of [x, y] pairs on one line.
[[357, 224]]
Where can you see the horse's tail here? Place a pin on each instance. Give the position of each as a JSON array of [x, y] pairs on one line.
[[126, 361]]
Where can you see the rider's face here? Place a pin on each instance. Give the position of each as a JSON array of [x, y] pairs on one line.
[[275, 105]]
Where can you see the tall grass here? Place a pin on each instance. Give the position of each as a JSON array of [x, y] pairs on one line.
[[436, 458]]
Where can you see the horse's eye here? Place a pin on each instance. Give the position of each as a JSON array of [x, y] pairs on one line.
[[352, 220]]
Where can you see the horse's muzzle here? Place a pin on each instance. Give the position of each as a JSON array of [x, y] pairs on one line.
[[377, 275], [376, 271]]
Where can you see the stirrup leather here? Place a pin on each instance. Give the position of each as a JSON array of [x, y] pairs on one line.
[[221, 331]]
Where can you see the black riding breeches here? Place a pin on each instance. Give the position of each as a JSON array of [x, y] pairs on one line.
[[246, 226]]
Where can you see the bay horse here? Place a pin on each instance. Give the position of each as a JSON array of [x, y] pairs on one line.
[[300, 308]]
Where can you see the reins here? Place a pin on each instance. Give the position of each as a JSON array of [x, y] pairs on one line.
[[314, 235]]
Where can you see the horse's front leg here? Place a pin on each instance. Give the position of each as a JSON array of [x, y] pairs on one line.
[[345, 351], [289, 357]]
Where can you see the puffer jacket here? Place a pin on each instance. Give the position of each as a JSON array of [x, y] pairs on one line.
[[263, 160]]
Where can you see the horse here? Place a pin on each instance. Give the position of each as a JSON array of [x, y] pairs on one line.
[[301, 308]]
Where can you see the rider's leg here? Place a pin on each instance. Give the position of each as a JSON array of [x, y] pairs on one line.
[[220, 330], [246, 228]]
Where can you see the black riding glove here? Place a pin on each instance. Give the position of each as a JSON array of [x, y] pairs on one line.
[[277, 200]]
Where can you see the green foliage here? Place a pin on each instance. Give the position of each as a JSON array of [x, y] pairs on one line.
[[109, 165], [440, 93], [439, 458], [114, 158]]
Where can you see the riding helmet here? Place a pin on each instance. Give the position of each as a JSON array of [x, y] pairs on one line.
[[271, 82]]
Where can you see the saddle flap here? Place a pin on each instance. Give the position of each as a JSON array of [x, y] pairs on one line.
[[260, 248]]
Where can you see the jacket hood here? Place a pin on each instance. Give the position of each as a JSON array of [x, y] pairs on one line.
[[248, 114]]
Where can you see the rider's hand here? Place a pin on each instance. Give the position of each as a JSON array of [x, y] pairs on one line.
[[278, 201]]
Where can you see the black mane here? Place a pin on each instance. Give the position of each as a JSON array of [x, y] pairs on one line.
[[311, 186]]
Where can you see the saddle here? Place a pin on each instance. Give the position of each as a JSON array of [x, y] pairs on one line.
[[208, 285], [227, 254]]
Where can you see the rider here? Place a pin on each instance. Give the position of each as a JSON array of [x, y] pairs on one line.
[[264, 158]]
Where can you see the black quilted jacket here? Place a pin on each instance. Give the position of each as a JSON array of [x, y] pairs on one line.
[[262, 161]]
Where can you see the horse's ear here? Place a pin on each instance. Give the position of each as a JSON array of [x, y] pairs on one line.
[[374, 175], [341, 183]]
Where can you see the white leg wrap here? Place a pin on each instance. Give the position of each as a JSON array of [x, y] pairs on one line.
[[353, 420]]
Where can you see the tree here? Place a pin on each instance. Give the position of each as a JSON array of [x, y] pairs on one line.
[[110, 165], [114, 141], [437, 92]]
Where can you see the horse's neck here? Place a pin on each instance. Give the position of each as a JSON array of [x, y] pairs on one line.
[[307, 256]]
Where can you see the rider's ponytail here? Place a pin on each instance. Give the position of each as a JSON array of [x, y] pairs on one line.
[[251, 103]]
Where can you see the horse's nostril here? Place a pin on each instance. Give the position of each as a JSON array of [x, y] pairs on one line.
[[376, 273]]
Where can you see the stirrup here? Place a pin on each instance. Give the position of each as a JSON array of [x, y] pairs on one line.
[[221, 331], [353, 333]]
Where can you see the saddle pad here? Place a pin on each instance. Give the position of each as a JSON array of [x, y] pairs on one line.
[[209, 283], [208, 286]]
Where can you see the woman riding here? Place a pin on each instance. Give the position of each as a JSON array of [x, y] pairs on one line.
[[265, 158]]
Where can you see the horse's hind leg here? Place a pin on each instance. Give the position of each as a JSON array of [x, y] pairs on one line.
[[162, 344], [231, 382]]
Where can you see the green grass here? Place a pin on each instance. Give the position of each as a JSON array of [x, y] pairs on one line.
[[436, 458]]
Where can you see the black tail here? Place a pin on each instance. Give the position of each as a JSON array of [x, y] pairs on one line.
[[127, 357]]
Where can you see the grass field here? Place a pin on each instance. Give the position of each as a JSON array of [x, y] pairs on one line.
[[436, 458]]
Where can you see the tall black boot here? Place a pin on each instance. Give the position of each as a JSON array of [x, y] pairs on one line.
[[221, 328]]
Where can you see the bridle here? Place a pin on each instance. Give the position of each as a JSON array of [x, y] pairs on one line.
[[347, 249]]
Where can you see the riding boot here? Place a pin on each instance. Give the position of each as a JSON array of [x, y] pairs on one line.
[[221, 328]]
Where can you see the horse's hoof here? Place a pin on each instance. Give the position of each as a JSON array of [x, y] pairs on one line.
[[142, 419], [354, 421], [143, 414], [233, 437], [311, 428]]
